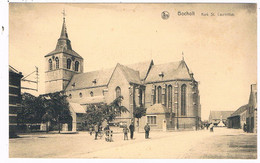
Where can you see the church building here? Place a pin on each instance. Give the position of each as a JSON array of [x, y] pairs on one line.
[[168, 91]]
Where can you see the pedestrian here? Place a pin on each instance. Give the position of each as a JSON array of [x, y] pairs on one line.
[[211, 127], [244, 127], [147, 130], [96, 131], [125, 131], [107, 132], [106, 128], [132, 129], [91, 129]]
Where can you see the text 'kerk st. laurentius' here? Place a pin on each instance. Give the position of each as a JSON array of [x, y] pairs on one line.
[[168, 91]]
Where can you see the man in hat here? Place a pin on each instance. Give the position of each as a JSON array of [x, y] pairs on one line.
[[132, 129], [147, 130], [96, 129], [125, 131]]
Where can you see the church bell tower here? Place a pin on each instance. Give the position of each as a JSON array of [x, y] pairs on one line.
[[62, 63]]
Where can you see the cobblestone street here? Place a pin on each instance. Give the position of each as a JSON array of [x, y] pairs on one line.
[[222, 144]]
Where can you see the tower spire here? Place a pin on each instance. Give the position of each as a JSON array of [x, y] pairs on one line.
[[64, 34], [63, 41]]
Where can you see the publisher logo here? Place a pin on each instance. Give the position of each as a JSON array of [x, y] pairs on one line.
[[165, 15]]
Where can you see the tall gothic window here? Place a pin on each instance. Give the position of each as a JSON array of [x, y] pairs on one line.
[[170, 96], [159, 94], [76, 66], [50, 64], [140, 97], [57, 62], [118, 92], [154, 95], [68, 63], [183, 99]]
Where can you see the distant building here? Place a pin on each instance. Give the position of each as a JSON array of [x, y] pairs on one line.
[[251, 115], [216, 117], [168, 91], [14, 99], [238, 118]]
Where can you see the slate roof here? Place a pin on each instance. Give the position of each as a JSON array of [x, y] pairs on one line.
[[131, 75], [11, 69], [85, 80], [14, 71], [64, 50], [102, 77], [239, 111], [157, 109], [134, 73], [171, 71], [63, 44], [77, 108], [89, 100], [219, 114], [142, 67]]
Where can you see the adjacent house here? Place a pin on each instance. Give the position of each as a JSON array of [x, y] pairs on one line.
[[14, 99], [216, 117], [238, 118]]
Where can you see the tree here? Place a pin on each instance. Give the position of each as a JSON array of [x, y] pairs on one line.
[[46, 119], [138, 113], [114, 109], [32, 109], [97, 114], [57, 107], [52, 107]]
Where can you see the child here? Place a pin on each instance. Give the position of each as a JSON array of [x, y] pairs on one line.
[[125, 131]]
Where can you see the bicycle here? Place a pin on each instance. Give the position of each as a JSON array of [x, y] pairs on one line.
[[100, 134]]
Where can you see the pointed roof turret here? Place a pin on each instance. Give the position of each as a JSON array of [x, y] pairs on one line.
[[63, 41], [64, 34], [64, 44]]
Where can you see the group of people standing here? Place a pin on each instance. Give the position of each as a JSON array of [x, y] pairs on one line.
[[97, 129], [132, 129]]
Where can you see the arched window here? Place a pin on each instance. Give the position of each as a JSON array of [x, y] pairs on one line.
[[170, 96], [57, 62], [76, 66], [183, 99], [80, 94], [154, 95], [50, 64], [70, 96], [68, 63], [159, 94], [140, 97], [118, 92]]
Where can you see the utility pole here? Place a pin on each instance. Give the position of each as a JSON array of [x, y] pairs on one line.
[[36, 81]]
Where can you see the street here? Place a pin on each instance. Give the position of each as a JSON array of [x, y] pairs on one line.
[[223, 143]]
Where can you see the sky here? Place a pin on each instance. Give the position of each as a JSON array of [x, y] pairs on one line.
[[221, 51]]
